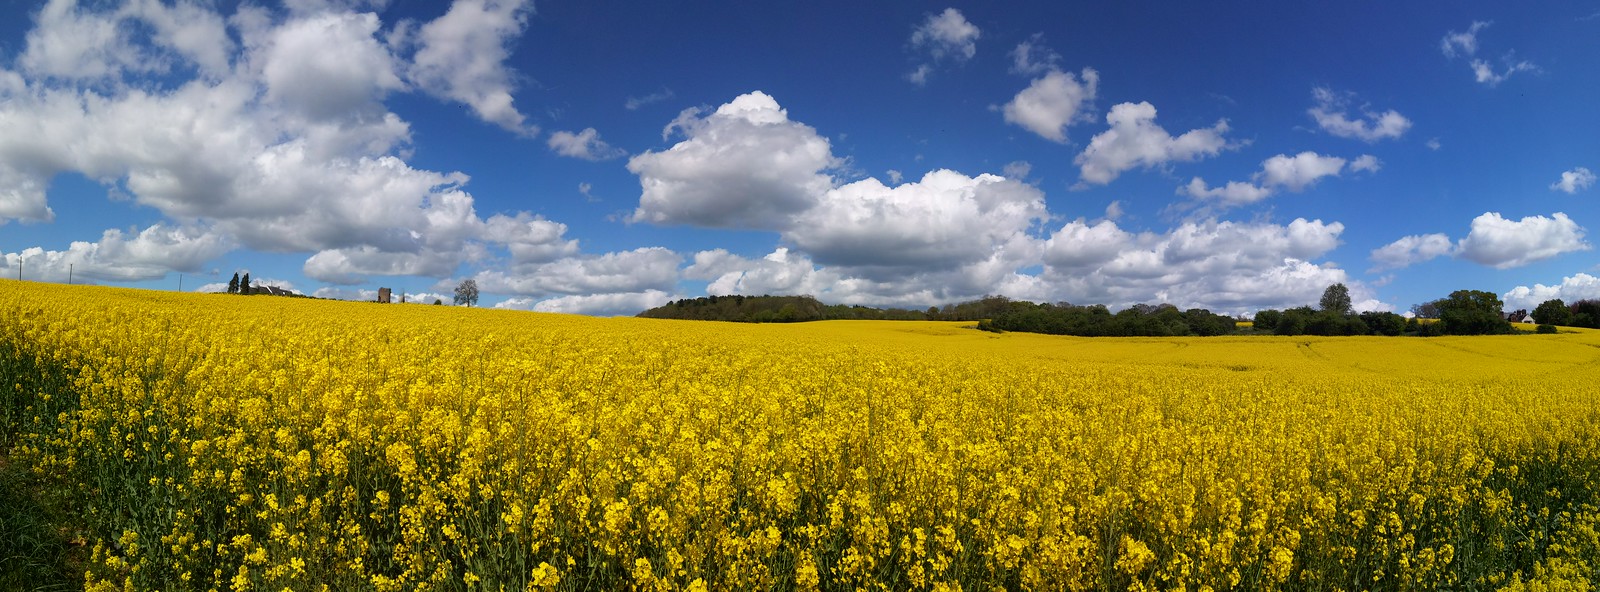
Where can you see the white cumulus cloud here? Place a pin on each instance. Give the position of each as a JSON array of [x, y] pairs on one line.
[[779, 272], [328, 65], [1294, 173], [1572, 288], [1465, 44], [280, 142], [585, 145], [1502, 243], [1135, 140], [945, 220], [1233, 193], [462, 57], [1032, 57], [1227, 267], [637, 270], [149, 254], [601, 305], [1411, 250], [745, 164], [1575, 180], [946, 36], [70, 42], [1299, 171], [1367, 163], [1052, 103], [1487, 74]]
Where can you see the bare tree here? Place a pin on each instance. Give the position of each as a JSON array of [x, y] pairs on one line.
[[467, 292]]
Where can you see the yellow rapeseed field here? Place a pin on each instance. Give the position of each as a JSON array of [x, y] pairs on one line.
[[255, 443]]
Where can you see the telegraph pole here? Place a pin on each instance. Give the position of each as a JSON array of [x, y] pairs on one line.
[[180, 282], [69, 274]]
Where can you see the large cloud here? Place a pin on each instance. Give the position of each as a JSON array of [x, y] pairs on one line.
[[279, 143], [1135, 140], [117, 256], [462, 57], [745, 164], [950, 237], [623, 304], [787, 272], [1502, 243], [1053, 102], [638, 270], [780, 272], [945, 220], [329, 65], [1494, 241], [1573, 288], [71, 43], [1225, 266]]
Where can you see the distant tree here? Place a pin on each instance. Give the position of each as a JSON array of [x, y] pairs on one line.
[[437, 302], [1267, 320], [244, 284], [1204, 323], [1586, 313], [1336, 299], [1426, 310], [1472, 312], [1383, 323], [1543, 329], [1291, 324], [467, 292], [1584, 319], [1325, 323], [1355, 325], [1552, 312], [1421, 329], [233, 284]]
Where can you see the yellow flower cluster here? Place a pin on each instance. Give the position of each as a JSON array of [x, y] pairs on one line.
[[254, 443]]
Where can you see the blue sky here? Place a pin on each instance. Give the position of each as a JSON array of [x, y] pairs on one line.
[[602, 158]]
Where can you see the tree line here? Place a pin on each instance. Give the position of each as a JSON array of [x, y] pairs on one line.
[[1583, 313], [775, 309], [1139, 320], [1463, 312]]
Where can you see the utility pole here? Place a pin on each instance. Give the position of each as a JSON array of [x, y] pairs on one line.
[[69, 274], [180, 282]]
